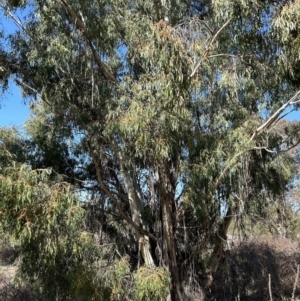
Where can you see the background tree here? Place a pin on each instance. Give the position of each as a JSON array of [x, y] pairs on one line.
[[170, 110]]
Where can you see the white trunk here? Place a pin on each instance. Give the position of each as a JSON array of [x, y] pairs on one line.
[[136, 208]]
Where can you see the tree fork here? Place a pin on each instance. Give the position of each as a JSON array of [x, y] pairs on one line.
[[114, 200]]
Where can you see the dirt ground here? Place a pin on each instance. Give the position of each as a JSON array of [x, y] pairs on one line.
[[7, 267]]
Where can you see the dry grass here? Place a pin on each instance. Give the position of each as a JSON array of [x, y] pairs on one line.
[[8, 268], [244, 276]]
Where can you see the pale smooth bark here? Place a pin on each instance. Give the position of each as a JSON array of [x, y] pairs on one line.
[[136, 208], [106, 190], [218, 251]]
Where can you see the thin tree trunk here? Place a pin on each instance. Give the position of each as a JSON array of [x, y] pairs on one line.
[[218, 250], [169, 235], [136, 208], [168, 224]]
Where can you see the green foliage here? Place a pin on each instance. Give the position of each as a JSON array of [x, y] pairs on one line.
[[157, 116], [115, 279], [152, 120], [151, 284], [46, 148], [42, 218], [12, 146], [16, 3], [287, 28]]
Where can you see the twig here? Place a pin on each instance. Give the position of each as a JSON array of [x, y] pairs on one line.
[[209, 48], [270, 289], [27, 86], [156, 5], [17, 22], [295, 284], [218, 32], [103, 68], [223, 54], [264, 148], [289, 148], [206, 25]]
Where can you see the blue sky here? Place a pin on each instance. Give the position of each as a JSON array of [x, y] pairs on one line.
[[294, 116], [13, 111]]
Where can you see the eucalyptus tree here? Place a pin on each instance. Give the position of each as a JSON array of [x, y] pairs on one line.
[[175, 104]]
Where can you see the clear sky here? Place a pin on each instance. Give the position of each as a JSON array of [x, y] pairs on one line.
[[13, 111], [294, 116]]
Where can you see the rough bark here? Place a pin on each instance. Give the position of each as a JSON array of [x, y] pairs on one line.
[[167, 197]]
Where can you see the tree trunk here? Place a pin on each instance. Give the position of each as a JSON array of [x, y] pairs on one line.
[[136, 208], [169, 235], [167, 195], [218, 250]]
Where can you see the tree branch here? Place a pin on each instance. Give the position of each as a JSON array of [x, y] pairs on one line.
[[80, 25], [156, 5], [274, 117], [114, 200], [206, 53], [260, 129], [264, 148]]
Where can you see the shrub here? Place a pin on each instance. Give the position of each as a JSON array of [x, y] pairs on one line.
[[151, 284]]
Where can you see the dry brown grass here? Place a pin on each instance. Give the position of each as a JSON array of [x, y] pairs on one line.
[[8, 268], [244, 276]]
